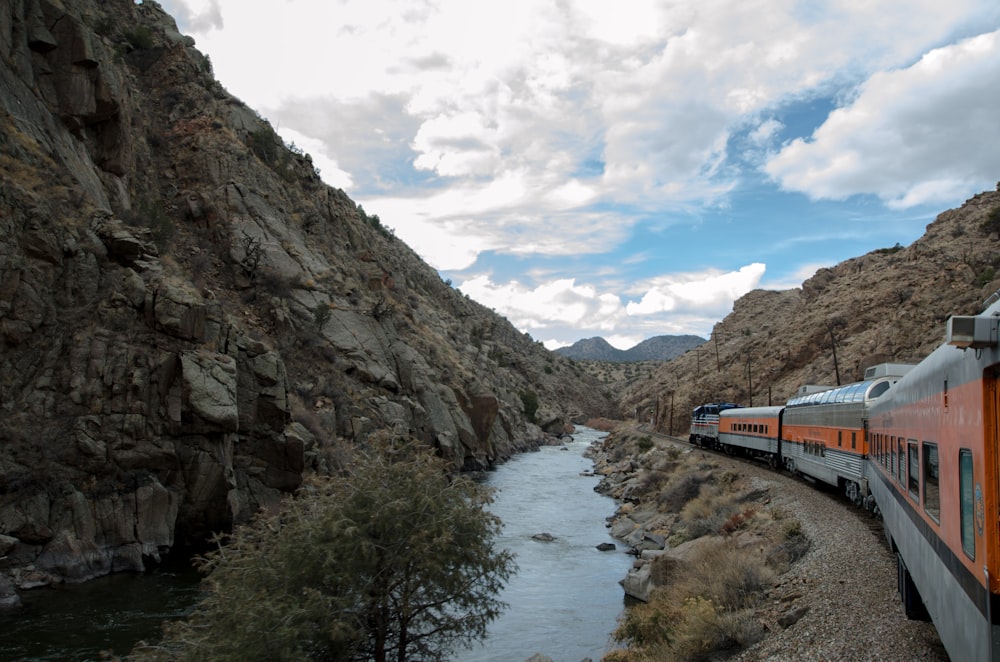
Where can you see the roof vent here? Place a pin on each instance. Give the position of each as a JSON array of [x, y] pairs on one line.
[[887, 370], [971, 331]]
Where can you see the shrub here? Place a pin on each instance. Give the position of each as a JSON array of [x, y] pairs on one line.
[[985, 277], [729, 574], [321, 315], [266, 144], [706, 610], [650, 480], [682, 488], [152, 214], [529, 400], [709, 512], [394, 560], [140, 38], [738, 521], [992, 222], [889, 251]]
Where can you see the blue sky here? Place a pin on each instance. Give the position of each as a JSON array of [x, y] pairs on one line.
[[626, 169]]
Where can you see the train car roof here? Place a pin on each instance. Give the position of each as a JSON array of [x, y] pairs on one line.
[[856, 392], [750, 412], [716, 406]]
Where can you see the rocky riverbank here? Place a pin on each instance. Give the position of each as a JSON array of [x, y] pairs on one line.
[[736, 561]]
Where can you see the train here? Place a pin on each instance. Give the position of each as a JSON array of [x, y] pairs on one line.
[[705, 422], [920, 446]]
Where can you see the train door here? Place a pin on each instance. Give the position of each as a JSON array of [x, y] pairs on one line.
[[987, 515]]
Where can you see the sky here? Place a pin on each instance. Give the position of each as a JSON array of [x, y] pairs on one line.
[[626, 169]]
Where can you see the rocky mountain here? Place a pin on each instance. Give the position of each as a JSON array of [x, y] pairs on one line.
[[657, 348], [889, 305], [190, 320]]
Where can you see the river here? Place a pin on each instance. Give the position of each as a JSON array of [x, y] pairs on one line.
[[563, 602], [565, 598]]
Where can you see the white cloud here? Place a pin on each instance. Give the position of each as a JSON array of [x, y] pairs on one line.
[[451, 228], [924, 134], [533, 127], [456, 145], [797, 277], [533, 90], [560, 301], [711, 291], [195, 16], [765, 131], [672, 304]]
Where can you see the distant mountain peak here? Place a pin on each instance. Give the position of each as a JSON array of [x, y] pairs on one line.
[[657, 348]]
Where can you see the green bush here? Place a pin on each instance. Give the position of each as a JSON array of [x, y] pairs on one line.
[[394, 560], [529, 400], [992, 222], [140, 38]]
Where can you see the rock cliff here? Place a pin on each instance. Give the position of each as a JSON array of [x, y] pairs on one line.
[[190, 319]]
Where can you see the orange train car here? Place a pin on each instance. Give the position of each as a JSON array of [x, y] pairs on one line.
[[933, 469], [820, 435], [824, 437], [752, 431]]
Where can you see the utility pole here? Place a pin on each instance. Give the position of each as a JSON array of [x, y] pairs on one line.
[[670, 430], [833, 344], [715, 339], [749, 379]]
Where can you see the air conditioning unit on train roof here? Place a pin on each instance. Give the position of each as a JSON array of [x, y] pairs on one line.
[[965, 331], [887, 370]]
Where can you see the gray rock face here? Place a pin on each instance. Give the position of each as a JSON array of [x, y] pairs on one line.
[[190, 320]]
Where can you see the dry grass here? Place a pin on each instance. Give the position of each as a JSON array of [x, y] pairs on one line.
[[706, 595], [684, 486], [707, 607]]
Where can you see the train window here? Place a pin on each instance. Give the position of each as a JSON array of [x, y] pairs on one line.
[[900, 463], [966, 502], [892, 457], [913, 485], [854, 440], [878, 390], [840, 437], [932, 489]]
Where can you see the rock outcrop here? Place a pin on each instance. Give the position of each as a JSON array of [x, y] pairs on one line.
[[190, 320]]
